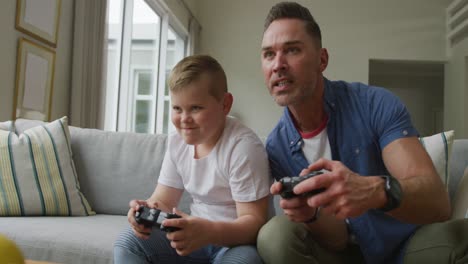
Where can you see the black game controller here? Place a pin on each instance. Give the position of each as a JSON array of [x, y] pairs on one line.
[[289, 183], [150, 217]]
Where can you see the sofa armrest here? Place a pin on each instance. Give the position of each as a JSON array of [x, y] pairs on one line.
[[460, 201]]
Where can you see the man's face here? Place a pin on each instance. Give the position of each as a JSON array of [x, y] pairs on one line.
[[292, 62]]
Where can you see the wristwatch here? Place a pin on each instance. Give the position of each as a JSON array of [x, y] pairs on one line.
[[393, 192]]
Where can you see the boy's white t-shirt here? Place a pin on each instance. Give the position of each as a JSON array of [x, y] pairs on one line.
[[236, 169]]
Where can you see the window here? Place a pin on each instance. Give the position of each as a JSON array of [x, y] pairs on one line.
[[142, 48]]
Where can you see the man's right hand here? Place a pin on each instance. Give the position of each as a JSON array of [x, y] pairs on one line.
[[296, 208]]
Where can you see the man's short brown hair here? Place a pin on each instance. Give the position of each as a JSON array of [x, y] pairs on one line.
[[191, 68], [295, 10]]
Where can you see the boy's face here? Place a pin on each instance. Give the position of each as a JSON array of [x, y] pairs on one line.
[[197, 115]]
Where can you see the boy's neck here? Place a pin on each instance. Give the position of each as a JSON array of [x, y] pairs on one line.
[[204, 149]]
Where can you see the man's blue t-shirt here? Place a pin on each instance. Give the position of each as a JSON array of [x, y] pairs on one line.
[[362, 120]]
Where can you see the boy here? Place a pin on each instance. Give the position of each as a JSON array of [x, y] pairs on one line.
[[219, 162]]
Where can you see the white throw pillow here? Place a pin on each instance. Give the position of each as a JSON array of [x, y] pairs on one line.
[[439, 148], [37, 174], [7, 125], [460, 201]]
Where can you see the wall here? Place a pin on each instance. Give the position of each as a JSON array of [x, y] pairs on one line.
[[8, 50], [353, 33], [422, 94], [456, 93]]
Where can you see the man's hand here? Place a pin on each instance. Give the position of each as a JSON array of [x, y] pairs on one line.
[[193, 234], [347, 194], [329, 231], [296, 209]]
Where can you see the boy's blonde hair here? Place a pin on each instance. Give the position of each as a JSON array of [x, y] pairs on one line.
[[191, 68]]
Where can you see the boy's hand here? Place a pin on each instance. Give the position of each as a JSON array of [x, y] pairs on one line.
[[193, 233], [140, 230]]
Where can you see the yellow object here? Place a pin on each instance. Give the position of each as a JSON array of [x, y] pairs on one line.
[[9, 252]]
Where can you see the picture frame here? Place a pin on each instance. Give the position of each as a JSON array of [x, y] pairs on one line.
[[35, 69], [39, 19]]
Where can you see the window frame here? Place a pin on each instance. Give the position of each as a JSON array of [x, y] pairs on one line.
[[136, 71], [125, 101]]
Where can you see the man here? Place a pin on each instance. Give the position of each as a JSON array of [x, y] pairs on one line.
[[347, 130]]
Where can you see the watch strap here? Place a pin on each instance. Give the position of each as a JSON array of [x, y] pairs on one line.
[[392, 192], [315, 217]]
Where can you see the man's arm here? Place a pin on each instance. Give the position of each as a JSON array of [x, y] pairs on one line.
[[348, 194], [425, 200]]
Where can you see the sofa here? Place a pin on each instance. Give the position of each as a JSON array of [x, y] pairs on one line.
[[111, 169]]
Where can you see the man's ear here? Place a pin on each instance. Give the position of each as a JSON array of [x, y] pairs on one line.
[[227, 103], [323, 59]]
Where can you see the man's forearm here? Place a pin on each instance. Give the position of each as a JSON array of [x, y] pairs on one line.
[[424, 201]]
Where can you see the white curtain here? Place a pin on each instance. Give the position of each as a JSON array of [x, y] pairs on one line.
[[87, 100]]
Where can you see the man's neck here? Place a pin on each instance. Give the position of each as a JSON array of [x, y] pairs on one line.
[[307, 119], [309, 114]]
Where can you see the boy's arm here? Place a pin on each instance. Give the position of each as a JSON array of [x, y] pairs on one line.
[[198, 232], [243, 230], [165, 198]]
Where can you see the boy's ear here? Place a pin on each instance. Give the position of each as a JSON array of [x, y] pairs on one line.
[[227, 103]]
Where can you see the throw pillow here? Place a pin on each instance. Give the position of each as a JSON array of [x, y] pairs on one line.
[[7, 125], [460, 201], [37, 174], [439, 148]]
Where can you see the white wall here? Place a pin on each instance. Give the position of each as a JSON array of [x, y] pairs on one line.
[[8, 50], [353, 32], [456, 93], [8, 47], [422, 95]]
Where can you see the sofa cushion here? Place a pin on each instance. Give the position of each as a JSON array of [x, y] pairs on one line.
[[38, 177], [439, 148], [71, 240], [458, 163], [115, 167], [460, 201]]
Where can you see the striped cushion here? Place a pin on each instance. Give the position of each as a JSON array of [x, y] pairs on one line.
[[37, 174], [439, 147]]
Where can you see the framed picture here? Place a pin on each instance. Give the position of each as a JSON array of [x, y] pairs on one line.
[[39, 19], [35, 68]]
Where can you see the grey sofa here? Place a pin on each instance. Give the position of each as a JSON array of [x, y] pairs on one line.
[[113, 168]]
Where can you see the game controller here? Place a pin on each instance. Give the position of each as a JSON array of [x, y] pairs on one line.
[[289, 183], [150, 217]]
